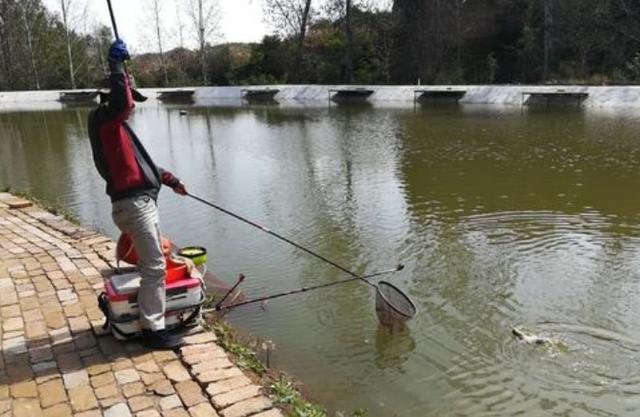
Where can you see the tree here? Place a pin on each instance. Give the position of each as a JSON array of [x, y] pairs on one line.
[[65, 6], [291, 18], [31, 14], [154, 8], [205, 19]]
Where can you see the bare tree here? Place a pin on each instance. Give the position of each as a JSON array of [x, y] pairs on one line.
[[348, 33], [154, 8], [31, 14], [66, 6], [290, 18], [180, 25], [205, 18]]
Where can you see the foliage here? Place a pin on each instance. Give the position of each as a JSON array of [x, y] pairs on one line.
[[404, 42], [245, 356], [282, 390]]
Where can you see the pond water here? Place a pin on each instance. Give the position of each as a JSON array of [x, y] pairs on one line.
[[503, 218]]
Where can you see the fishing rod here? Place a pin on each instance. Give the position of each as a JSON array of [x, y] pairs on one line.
[[284, 239], [137, 95], [220, 307]]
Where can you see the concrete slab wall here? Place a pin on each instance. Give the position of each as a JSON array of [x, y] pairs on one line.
[[511, 95]]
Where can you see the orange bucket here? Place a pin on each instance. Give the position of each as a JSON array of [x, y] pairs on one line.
[[176, 271]]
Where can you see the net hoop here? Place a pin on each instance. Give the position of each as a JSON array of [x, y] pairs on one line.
[[382, 301]]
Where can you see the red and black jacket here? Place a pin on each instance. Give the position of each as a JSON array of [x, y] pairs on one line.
[[118, 154]]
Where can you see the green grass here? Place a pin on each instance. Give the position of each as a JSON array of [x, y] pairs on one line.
[[282, 389]]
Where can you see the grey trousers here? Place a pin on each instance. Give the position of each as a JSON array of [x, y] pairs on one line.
[[138, 217]]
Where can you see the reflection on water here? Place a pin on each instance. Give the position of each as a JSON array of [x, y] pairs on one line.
[[393, 346], [503, 217]]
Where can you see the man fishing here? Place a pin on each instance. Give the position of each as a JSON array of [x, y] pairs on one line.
[[133, 183]]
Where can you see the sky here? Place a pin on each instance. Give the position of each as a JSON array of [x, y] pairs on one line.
[[242, 20]]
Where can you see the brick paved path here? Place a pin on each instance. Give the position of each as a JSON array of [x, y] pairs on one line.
[[54, 360]]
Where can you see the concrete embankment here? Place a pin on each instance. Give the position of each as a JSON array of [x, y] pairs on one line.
[[55, 358], [506, 95]]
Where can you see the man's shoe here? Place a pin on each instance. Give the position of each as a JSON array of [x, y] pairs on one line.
[[161, 339]]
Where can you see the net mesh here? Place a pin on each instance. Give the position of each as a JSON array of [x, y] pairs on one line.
[[392, 305]]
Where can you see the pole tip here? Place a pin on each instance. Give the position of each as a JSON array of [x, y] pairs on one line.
[[241, 277]]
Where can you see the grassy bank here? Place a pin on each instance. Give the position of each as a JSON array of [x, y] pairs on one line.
[[55, 208], [253, 355]]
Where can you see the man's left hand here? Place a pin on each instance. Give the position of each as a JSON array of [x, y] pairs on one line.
[[180, 189]]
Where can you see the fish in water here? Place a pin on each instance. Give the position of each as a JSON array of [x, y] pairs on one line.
[[528, 338], [533, 339]]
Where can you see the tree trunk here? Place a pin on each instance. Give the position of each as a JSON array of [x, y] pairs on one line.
[[68, 38], [28, 31], [348, 59], [163, 62], [303, 34], [547, 40], [7, 57], [201, 35]]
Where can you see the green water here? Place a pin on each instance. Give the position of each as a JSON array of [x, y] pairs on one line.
[[503, 217]]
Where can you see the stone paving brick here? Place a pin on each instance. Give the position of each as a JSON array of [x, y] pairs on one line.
[[106, 391], [176, 412], [139, 403], [41, 354], [75, 379], [26, 389], [164, 356], [33, 315], [203, 410], [122, 363], [91, 413], [148, 366], [12, 324], [110, 401], [69, 362], [51, 393], [118, 410], [176, 372], [211, 365], [200, 338], [43, 368], [98, 368], [54, 320], [58, 410], [102, 380], [36, 330], [247, 407], [235, 396], [218, 375], [82, 399], [172, 401], [126, 376], [190, 393], [150, 379], [271, 413], [10, 311], [133, 389], [162, 388], [27, 408], [148, 413]]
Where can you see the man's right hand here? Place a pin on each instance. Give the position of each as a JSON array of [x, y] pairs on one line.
[[118, 51]]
